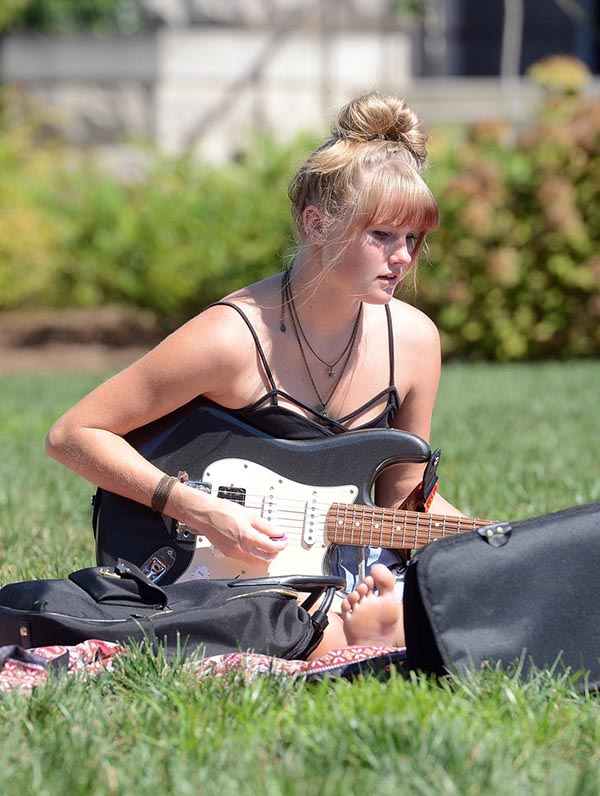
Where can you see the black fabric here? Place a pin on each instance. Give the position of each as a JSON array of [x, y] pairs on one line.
[[14, 652], [283, 423], [522, 593], [208, 616]]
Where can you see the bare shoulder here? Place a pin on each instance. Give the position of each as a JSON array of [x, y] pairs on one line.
[[415, 328], [222, 329], [213, 354]]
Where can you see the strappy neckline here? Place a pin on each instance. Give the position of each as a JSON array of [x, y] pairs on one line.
[[340, 424], [274, 394]]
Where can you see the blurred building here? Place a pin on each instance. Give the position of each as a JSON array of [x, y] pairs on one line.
[[203, 73], [472, 34]]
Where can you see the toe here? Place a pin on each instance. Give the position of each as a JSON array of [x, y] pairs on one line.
[[362, 590], [383, 578]]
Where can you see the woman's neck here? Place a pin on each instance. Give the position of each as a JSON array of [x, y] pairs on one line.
[[322, 307]]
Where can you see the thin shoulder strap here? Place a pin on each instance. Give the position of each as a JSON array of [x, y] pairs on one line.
[[390, 343], [259, 347]]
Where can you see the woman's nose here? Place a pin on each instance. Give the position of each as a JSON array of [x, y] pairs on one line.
[[401, 255]]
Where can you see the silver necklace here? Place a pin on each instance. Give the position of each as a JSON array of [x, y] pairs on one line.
[[286, 294], [300, 336]]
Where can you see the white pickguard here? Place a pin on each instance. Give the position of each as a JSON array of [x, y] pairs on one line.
[[297, 510]]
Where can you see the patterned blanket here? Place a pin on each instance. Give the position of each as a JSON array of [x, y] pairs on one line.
[[22, 670]]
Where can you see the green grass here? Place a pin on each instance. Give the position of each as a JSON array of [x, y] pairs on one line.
[[516, 440]]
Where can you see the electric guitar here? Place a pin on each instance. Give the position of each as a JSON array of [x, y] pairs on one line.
[[316, 492]]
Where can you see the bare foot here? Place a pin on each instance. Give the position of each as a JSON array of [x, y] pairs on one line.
[[370, 618]]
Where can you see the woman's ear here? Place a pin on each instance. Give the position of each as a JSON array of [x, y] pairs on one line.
[[312, 221]]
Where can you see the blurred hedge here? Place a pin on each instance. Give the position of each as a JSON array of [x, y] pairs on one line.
[[73, 16], [512, 274], [515, 267], [170, 243]]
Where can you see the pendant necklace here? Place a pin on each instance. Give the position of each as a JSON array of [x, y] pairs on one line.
[[344, 357], [287, 297]]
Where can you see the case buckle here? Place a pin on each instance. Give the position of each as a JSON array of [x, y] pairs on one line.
[[496, 534]]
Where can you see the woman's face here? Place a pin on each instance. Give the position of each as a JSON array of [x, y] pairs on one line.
[[371, 263]]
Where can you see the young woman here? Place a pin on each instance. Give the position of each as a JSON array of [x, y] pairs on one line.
[[322, 349]]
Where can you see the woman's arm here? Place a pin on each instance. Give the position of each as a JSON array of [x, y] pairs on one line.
[[89, 438], [417, 366]]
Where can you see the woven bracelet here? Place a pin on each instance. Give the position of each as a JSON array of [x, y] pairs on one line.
[[162, 492]]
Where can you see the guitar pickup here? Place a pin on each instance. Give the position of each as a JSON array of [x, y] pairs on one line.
[[234, 493]]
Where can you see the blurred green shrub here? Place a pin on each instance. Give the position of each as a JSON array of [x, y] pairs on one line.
[[513, 273], [561, 74], [30, 234], [184, 237], [170, 243], [515, 268], [73, 16]]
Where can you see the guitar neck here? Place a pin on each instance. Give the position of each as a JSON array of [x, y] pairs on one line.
[[377, 527]]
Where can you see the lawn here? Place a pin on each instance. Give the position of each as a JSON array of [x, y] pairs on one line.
[[516, 440]]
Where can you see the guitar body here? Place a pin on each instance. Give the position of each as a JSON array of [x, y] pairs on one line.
[[291, 483]]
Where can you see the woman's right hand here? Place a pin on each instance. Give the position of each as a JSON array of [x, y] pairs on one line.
[[236, 531]]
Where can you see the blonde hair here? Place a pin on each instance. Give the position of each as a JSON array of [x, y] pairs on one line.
[[368, 171]]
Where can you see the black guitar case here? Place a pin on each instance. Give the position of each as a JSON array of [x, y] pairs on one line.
[[520, 594], [194, 437], [206, 617]]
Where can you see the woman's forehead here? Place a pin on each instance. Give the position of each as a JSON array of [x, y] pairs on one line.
[[395, 222], [414, 217]]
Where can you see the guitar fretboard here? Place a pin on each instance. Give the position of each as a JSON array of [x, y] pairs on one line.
[[396, 528]]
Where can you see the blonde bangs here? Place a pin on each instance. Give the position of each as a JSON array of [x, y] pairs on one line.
[[393, 194]]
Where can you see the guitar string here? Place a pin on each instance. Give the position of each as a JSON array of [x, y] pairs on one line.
[[402, 515], [411, 520], [423, 526]]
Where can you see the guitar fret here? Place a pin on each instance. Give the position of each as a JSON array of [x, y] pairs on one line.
[[381, 527], [372, 530], [360, 525], [339, 521]]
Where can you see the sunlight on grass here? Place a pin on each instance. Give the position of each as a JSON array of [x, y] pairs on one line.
[[516, 441]]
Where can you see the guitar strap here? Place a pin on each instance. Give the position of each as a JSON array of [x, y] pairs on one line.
[[421, 497]]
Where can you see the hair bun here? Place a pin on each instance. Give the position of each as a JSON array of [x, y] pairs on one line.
[[379, 117]]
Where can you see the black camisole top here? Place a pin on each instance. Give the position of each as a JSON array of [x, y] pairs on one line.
[[269, 416], [266, 414]]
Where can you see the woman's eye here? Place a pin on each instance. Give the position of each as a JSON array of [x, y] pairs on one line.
[[381, 234]]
